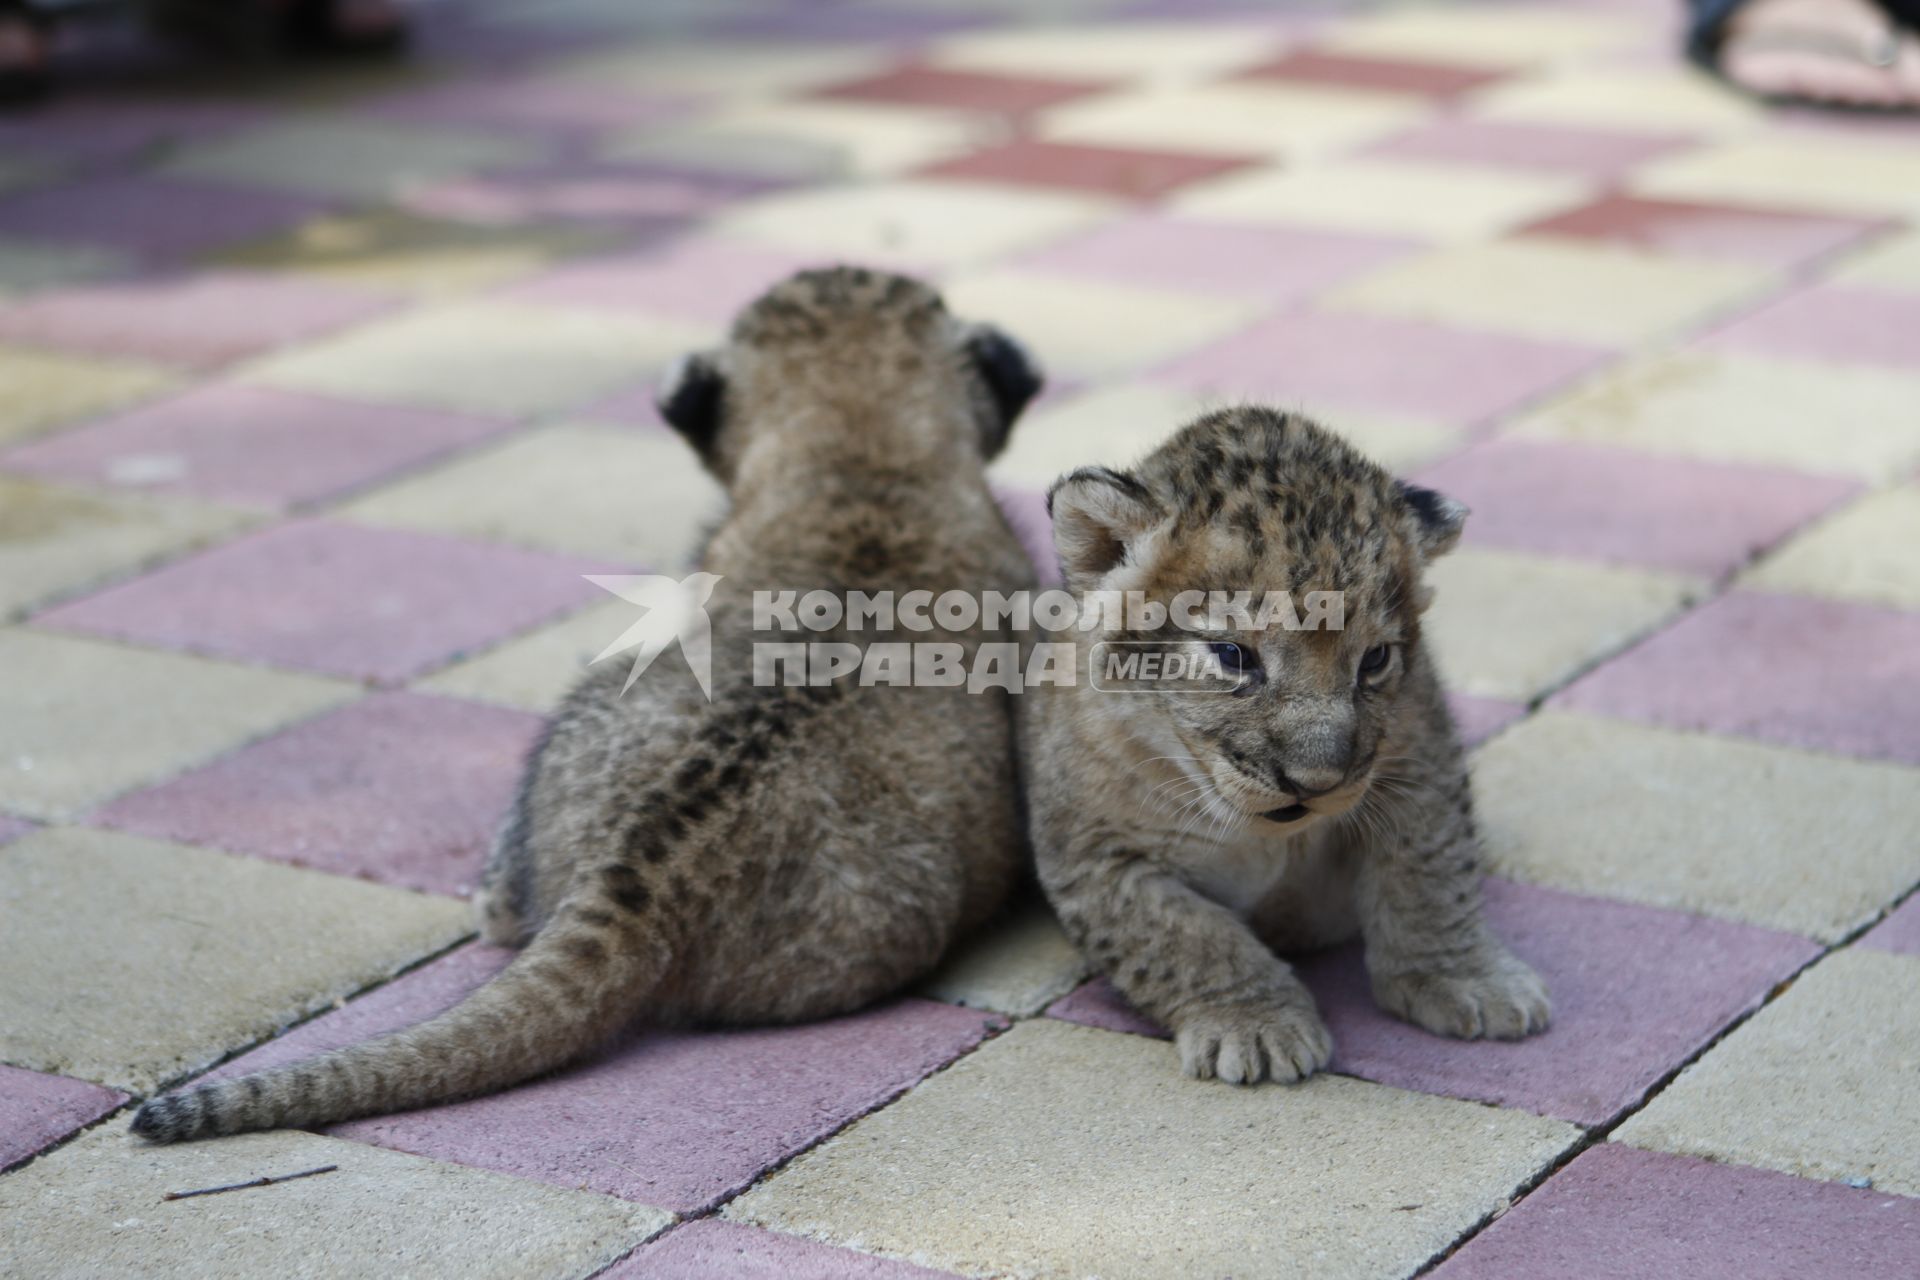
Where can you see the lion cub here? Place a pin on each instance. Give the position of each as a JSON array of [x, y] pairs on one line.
[[1184, 833], [776, 853]]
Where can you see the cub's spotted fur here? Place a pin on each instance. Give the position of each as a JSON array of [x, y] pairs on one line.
[[1183, 838], [778, 853]]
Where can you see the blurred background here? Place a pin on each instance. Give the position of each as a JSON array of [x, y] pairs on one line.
[[327, 340]]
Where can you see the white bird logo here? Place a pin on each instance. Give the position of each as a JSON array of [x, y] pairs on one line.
[[674, 611]]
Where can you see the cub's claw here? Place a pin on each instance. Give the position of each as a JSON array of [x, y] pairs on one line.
[[1247, 1045], [1499, 998]]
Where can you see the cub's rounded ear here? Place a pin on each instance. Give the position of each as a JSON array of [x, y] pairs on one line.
[[1100, 517], [1012, 376], [1438, 517], [689, 399]]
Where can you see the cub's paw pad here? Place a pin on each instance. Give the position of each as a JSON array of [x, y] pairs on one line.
[[1246, 1046], [1501, 1000]]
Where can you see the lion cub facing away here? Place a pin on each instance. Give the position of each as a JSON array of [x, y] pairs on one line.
[[1184, 837], [778, 853]]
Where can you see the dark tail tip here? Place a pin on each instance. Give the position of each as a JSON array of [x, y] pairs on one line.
[[168, 1119]]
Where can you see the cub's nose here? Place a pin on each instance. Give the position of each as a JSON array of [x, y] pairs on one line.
[[1307, 781]]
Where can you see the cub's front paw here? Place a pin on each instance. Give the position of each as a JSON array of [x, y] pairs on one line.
[[1247, 1045], [1499, 997]]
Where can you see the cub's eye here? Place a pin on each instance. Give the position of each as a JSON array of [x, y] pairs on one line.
[[1238, 660], [1233, 658], [1375, 660]]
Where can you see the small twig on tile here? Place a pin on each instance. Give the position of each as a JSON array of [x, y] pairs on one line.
[[242, 1186]]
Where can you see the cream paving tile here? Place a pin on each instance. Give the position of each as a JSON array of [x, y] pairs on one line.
[[1118, 424], [1698, 823], [1141, 52], [44, 389], [83, 720], [133, 962], [935, 222], [725, 70], [1893, 263], [1005, 1164], [56, 539], [1505, 35], [1869, 551], [1539, 287], [94, 1208], [1231, 119], [635, 497], [534, 671], [830, 139], [1510, 625], [1834, 419], [496, 358], [1797, 171], [390, 249], [1822, 1083], [1114, 425], [1395, 442], [368, 160], [1018, 967], [1093, 329], [1386, 197], [1664, 100]]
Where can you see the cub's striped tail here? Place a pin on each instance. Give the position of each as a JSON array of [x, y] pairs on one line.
[[578, 981]]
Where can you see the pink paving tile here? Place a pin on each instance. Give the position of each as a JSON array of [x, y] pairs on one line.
[[403, 788], [1277, 265], [1767, 237], [13, 828], [1319, 360], [1026, 511], [674, 1119], [1480, 718], [711, 1249], [1126, 172], [1636, 991], [370, 604], [90, 130], [200, 321], [702, 280], [1818, 674], [964, 90], [1619, 1212], [1617, 505], [1594, 153], [1833, 322], [1898, 932], [1439, 80], [160, 216], [254, 446], [37, 1109]]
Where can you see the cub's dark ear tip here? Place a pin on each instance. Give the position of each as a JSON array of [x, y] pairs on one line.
[[1012, 375], [689, 399], [1441, 518], [1105, 477]]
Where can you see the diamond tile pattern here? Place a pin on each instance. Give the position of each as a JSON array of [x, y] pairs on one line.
[[321, 390]]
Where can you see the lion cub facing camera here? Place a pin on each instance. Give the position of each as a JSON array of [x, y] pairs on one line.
[[778, 852], [1314, 789]]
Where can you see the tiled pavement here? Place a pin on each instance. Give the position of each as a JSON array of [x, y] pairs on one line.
[[319, 393]]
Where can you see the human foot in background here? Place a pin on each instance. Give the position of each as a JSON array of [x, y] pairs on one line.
[[1833, 52], [348, 26], [23, 56]]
